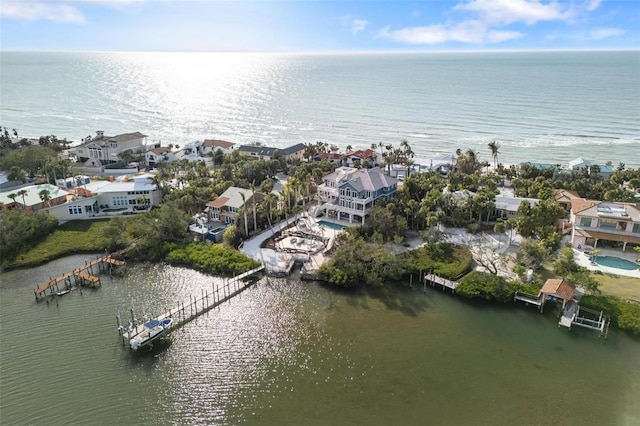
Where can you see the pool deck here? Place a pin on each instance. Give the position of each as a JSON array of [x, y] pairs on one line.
[[583, 259], [280, 261]]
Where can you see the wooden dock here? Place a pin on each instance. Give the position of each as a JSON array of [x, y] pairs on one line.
[[528, 298], [434, 279], [79, 276], [185, 312]]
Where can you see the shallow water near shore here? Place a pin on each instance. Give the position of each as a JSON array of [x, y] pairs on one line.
[[291, 352]]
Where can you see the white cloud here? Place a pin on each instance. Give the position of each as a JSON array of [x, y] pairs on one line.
[[464, 32], [358, 25], [55, 10], [602, 33], [485, 21], [505, 12], [593, 5], [38, 10]]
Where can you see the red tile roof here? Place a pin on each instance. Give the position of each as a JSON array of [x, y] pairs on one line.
[[559, 288]]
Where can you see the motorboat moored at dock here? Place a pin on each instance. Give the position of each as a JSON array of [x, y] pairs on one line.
[[152, 330]]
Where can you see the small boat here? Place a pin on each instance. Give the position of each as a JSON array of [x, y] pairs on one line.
[[62, 293], [153, 329]]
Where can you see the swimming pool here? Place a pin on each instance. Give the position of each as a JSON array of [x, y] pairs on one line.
[[616, 262], [330, 225]]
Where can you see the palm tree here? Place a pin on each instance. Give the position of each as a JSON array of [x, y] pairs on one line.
[[244, 209], [13, 197], [409, 163], [23, 192], [253, 200], [45, 196], [16, 173], [349, 148], [494, 147]]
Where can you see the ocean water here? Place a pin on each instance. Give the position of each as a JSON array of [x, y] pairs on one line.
[[540, 106]]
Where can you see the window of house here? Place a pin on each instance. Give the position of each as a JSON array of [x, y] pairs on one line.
[[119, 200], [608, 224], [75, 210], [585, 221], [636, 228]]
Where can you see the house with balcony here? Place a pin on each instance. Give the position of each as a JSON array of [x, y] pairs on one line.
[[350, 194], [354, 158], [225, 208], [162, 154], [212, 145], [105, 149], [598, 220]]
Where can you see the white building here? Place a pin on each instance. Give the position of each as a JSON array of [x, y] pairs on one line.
[[105, 149]]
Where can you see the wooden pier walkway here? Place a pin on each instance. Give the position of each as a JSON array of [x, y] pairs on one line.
[[528, 298], [185, 312], [79, 276], [434, 279]]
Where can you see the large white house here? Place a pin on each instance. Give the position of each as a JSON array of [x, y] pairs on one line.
[[351, 193], [107, 198], [212, 145], [105, 149]]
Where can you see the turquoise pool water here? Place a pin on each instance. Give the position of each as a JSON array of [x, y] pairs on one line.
[[330, 225], [616, 262]]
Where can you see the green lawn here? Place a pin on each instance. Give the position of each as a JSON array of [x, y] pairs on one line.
[[617, 285], [78, 236]]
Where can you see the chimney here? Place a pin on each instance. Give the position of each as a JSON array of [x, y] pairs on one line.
[[100, 134]]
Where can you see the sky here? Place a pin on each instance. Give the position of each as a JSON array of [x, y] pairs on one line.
[[317, 26]]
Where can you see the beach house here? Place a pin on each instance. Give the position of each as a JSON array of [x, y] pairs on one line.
[[105, 149], [350, 194], [213, 145]]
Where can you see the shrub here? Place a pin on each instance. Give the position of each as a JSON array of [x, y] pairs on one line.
[[625, 315], [445, 260], [213, 258], [485, 286]]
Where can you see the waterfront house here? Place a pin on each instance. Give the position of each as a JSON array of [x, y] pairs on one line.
[[105, 149], [31, 200], [213, 145], [331, 157], [294, 152], [162, 154], [225, 208], [598, 220], [351, 193], [257, 151], [359, 157], [580, 165]]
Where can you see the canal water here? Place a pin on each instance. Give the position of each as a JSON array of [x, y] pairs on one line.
[[287, 352]]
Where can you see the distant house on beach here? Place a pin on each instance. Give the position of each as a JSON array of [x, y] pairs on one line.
[[105, 149], [212, 145]]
